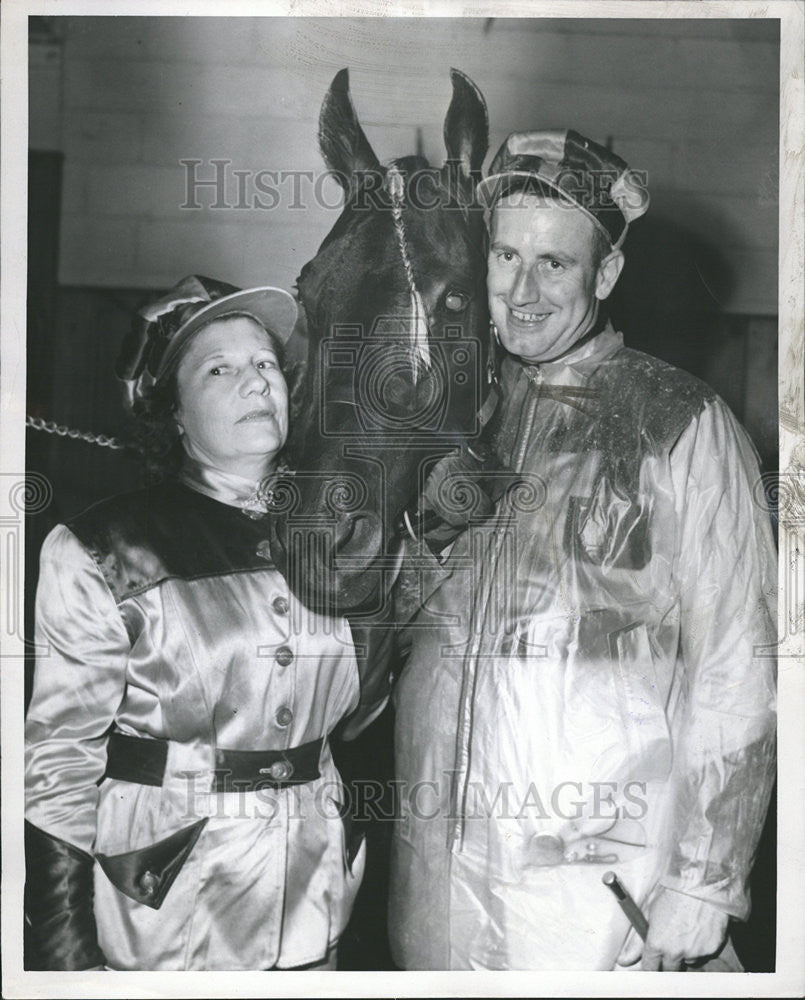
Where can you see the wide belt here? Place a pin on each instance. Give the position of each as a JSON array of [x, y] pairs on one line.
[[139, 760]]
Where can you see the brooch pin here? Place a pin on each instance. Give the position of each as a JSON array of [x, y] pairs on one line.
[[261, 501]]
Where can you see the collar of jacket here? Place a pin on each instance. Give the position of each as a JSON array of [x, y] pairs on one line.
[[227, 487], [170, 531], [575, 366], [564, 379]]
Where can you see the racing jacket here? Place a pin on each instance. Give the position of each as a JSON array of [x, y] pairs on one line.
[[161, 617], [591, 678]]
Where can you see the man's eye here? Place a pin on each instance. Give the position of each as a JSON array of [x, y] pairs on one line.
[[456, 301], [217, 370], [555, 265], [265, 364], [506, 255]]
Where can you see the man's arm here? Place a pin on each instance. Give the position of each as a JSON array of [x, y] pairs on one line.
[[724, 758]]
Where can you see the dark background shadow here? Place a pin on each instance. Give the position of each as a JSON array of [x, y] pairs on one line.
[[670, 301]]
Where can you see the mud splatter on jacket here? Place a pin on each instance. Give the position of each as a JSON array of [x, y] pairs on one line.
[[591, 681]]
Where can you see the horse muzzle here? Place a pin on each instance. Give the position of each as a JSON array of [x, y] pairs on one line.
[[333, 564]]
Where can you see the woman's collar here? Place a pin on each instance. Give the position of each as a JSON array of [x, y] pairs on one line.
[[251, 496]]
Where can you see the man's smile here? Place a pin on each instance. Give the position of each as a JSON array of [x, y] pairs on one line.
[[527, 317]]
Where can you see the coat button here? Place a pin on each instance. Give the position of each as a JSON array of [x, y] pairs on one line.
[[149, 883], [281, 770], [280, 605], [546, 849], [283, 656], [264, 550], [284, 716]]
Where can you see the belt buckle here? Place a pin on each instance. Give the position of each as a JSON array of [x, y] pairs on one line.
[[280, 770]]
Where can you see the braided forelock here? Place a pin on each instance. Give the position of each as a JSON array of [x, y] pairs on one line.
[[419, 345]]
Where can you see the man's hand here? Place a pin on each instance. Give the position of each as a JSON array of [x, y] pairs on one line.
[[682, 931]]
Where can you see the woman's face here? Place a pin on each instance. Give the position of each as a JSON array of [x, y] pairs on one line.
[[233, 400]]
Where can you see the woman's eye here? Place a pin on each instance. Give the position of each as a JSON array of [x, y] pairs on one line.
[[265, 364], [216, 371], [455, 301]]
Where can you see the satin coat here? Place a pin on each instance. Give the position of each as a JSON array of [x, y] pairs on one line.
[[195, 639], [591, 680]]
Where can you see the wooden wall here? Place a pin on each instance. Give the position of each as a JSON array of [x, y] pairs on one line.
[[693, 102]]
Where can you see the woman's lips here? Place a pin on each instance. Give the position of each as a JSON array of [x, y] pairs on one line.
[[256, 415]]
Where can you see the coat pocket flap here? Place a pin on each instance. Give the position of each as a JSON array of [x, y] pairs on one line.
[[147, 874]]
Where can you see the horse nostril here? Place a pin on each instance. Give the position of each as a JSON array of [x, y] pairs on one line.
[[358, 539], [344, 530]]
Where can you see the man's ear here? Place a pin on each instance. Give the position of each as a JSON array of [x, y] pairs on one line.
[[609, 270]]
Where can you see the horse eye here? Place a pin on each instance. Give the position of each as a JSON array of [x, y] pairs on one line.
[[455, 301]]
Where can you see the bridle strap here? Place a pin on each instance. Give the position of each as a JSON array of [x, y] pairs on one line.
[[490, 404], [495, 394]]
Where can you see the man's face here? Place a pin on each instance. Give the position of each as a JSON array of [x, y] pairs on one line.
[[544, 278]]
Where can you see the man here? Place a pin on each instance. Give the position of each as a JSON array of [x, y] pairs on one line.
[[590, 685]]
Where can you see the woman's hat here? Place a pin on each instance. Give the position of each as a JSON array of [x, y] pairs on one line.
[[583, 173], [162, 329]]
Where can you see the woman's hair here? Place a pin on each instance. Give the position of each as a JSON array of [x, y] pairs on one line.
[[154, 433]]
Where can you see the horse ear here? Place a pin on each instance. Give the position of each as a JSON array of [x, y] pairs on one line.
[[343, 145], [466, 126]]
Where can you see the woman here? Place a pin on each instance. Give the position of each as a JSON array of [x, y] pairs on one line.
[[177, 760]]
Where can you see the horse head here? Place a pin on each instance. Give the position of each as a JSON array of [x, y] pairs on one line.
[[398, 352]]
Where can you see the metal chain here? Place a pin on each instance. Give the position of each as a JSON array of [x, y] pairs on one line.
[[51, 427]]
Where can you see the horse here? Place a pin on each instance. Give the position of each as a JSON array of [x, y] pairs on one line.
[[399, 354]]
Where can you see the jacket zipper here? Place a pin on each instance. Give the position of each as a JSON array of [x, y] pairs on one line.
[[535, 378], [464, 733]]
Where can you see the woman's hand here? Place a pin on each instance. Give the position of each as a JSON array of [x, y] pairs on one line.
[[58, 904]]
